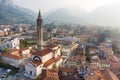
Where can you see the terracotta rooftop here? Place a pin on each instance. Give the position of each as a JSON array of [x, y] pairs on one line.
[[70, 78], [49, 74], [24, 49], [109, 75], [49, 62], [50, 78], [13, 50], [51, 45], [36, 63], [12, 56], [19, 50], [115, 66], [58, 40], [114, 58], [104, 62], [69, 70], [53, 70], [72, 59], [95, 60], [42, 52], [58, 58], [52, 60]]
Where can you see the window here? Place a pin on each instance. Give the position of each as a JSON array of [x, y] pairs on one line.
[[30, 72], [37, 58]]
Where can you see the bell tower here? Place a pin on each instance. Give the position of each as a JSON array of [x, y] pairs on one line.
[[39, 32]]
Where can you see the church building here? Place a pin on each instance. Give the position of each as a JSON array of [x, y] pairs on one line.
[[47, 56]]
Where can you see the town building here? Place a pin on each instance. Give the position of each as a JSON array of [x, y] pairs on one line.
[[95, 60], [49, 74], [2, 33], [80, 50], [47, 56], [71, 62], [109, 75], [12, 43], [16, 57]]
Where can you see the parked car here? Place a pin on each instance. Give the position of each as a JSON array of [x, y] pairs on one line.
[[8, 70], [17, 76], [1, 69], [3, 76]]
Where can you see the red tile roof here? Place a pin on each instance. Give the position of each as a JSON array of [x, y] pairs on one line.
[[70, 78], [23, 49], [50, 78], [49, 74], [58, 40], [109, 75], [42, 52], [36, 63], [52, 60], [12, 56], [68, 70], [72, 59], [49, 62], [58, 58], [51, 45], [19, 50], [13, 50]]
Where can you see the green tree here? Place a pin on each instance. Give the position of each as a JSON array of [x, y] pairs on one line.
[[37, 78], [87, 54], [54, 66], [6, 49], [23, 43]]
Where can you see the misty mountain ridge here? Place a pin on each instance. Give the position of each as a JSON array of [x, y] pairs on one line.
[[63, 15], [13, 14], [108, 15]]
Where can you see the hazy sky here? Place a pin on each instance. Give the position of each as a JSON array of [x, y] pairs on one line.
[[47, 5]]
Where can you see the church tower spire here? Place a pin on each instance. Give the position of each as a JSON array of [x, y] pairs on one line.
[[39, 15], [39, 32]]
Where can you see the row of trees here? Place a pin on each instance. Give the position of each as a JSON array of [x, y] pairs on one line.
[[26, 43]]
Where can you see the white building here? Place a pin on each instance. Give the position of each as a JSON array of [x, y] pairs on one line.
[[13, 60], [67, 40], [95, 60], [66, 53], [47, 58], [16, 57], [12, 43]]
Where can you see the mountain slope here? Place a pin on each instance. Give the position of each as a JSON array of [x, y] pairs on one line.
[[11, 14], [7, 2], [63, 15], [108, 15]]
